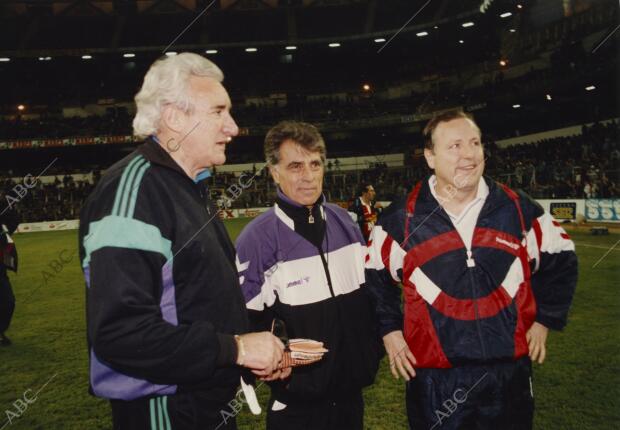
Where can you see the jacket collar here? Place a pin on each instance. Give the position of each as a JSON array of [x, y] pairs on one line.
[[427, 203], [294, 213], [155, 154], [307, 222], [284, 198]]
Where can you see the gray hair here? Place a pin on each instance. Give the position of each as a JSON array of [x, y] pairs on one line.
[[167, 82], [303, 134]]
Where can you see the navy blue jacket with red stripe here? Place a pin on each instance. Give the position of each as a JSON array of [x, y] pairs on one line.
[[524, 269]]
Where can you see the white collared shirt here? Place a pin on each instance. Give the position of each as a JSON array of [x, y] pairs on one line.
[[465, 222]]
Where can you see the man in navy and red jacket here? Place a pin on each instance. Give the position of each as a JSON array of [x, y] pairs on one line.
[[486, 272]]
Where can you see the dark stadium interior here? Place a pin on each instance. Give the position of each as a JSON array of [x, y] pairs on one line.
[[118, 275], [553, 51]]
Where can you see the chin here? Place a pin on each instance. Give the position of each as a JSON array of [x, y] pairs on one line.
[[218, 161], [306, 201], [464, 182]]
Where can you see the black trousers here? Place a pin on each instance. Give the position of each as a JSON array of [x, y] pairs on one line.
[[345, 412], [484, 397], [175, 412], [7, 301]]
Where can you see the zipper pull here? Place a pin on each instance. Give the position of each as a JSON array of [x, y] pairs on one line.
[[205, 198], [310, 217], [470, 259]]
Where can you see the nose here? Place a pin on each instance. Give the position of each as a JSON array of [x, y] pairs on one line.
[[467, 151], [230, 126], [307, 174]]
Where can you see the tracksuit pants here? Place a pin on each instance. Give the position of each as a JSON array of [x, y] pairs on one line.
[[344, 412], [477, 397], [188, 411]]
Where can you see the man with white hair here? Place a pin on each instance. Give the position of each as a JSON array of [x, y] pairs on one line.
[[166, 317]]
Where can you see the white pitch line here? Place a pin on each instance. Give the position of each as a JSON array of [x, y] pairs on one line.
[[607, 253], [587, 245]]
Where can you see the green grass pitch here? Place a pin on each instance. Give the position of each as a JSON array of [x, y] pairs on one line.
[[578, 387]]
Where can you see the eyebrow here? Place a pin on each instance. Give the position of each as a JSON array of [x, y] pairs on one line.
[[222, 106], [318, 160], [461, 140]]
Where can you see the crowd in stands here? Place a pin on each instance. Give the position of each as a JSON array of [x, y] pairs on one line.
[[481, 85], [584, 166], [117, 123], [53, 201], [581, 166]]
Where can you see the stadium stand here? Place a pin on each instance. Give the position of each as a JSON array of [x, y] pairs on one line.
[[581, 166], [539, 76], [66, 98]]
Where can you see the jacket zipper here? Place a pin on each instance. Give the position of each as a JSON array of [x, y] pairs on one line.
[[310, 217], [476, 313], [327, 275], [323, 260], [471, 264], [204, 200], [483, 215]]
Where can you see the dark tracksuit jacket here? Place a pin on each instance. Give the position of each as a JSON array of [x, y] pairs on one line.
[[469, 307], [163, 299], [7, 299], [312, 279]]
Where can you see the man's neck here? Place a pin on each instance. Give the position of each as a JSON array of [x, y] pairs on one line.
[[366, 202], [455, 199]]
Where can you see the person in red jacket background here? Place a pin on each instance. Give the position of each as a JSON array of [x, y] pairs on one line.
[[365, 209]]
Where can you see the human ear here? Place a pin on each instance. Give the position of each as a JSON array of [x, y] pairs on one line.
[[273, 170], [173, 119], [430, 158]]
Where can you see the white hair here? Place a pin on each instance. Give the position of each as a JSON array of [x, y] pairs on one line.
[[167, 82]]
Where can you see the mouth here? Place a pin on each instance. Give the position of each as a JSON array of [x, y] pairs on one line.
[[470, 169]]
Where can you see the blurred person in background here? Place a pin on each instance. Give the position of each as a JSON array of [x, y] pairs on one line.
[[365, 209], [8, 261]]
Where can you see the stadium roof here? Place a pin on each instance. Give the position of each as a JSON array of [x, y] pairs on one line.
[[34, 27]]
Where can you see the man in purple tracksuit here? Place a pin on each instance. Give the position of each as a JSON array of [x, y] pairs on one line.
[[303, 263]]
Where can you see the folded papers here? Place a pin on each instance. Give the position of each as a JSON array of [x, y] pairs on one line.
[[301, 352]]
